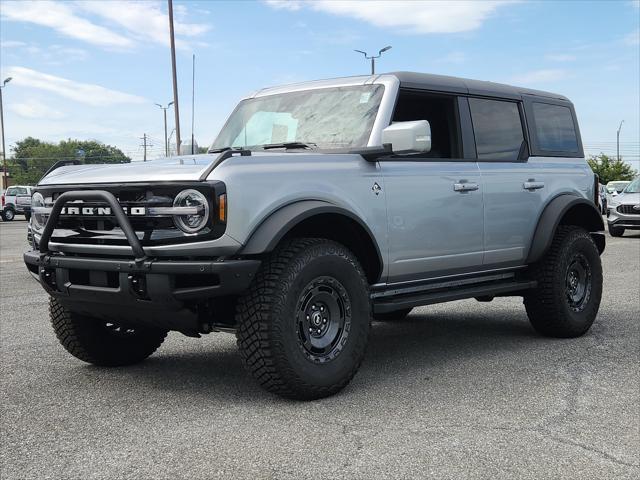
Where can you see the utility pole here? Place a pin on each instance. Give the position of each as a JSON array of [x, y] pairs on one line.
[[193, 100], [373, 57], [175, 77], [145, 145], [4, 150], [166, 141], [618, 141]]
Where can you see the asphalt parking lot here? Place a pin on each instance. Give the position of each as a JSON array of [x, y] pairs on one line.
[[461, 390]]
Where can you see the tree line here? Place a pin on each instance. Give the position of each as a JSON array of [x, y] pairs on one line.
[[32, 157]]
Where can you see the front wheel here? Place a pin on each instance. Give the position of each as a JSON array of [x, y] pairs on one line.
[[566, 300], [108, 344], [616, 231], [304, 324]]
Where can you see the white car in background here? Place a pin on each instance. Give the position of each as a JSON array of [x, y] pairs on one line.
[[16, 200], [624, 210]]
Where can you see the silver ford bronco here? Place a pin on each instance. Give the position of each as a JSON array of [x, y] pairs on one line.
[[319, 207]]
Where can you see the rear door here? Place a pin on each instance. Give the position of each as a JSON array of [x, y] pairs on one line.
[[514, 190], [434, 200]]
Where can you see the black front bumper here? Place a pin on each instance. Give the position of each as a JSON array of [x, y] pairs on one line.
[[166, 281]]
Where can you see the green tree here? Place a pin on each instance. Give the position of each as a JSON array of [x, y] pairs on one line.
[[32, 157], [609, 168]]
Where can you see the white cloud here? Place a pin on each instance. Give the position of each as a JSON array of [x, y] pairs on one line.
[[540, 76], [136, 21], [145, 20], [62, 18], [34, 109], [560, 57], [633, 38], [12, 44], [414, 16], [86, 93]]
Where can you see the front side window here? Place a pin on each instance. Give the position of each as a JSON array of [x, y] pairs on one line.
[[497, 128], [555, 130], [340, 117]]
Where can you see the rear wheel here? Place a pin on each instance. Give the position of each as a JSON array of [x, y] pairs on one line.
[[392, 316], [566, 300], [103, 343], [8, 214], [616, 231], [304, 323]]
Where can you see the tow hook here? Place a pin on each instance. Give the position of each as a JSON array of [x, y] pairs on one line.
[[138, 285]]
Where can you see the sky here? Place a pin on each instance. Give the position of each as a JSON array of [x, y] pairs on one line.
[[95, 69]]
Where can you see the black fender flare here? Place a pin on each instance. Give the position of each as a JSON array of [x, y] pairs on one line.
[[274, 227], [553, 214]]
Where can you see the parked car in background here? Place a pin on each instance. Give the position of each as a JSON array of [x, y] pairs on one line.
[[603, 199], [624, 210], [616, 186], [16, 200]]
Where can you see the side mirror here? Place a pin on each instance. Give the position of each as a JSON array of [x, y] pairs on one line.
[[408, 137]]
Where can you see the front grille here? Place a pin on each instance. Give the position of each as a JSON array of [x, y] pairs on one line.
[[104, 230], [629, 209]]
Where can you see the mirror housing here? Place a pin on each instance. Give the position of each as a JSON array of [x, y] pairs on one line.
[[408, 137]]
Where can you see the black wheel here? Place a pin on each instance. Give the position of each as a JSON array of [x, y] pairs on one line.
[[27, 216], [8, 215], [103, 343], [566, 300], [304, 323], [616, 231], [392, 316]]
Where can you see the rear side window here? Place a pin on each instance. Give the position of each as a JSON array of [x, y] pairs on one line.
[[555, 129], [10, 192], [497, 128]]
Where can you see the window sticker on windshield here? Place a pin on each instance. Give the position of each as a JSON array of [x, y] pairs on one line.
[[364, 97]]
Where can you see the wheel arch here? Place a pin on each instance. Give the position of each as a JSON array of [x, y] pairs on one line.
[[317, 218], [566, 209]]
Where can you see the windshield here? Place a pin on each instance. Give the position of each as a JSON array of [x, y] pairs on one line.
[[633, 187], [340, 117]]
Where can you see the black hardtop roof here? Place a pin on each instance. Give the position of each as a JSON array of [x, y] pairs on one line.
[[464, 85]]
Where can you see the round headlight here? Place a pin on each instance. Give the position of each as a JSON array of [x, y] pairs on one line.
[[39, 219], [198, 215]]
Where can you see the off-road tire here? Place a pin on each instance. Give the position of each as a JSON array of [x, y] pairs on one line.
[[552, 310], [392, 316], [269, 316], [8, 215], [103, 343], [616, 231]]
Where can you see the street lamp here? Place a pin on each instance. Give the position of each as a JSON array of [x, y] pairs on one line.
[[4, 155], [373, 57], [166, 142], [618, 141]]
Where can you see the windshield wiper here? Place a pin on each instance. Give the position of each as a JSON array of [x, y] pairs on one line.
[[224, 149], [289, 145]]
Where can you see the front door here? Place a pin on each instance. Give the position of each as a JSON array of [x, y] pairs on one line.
[[435, 217]]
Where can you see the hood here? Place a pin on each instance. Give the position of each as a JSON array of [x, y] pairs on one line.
[[627, 199], [175, 169], [184, 168]]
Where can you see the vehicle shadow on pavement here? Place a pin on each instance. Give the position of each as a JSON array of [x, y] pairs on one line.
[[422, 341]]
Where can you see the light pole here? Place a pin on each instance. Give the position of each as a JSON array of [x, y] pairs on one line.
[[166, 141], [618, 141], [176, 110], [4, 154], [373, 57]]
